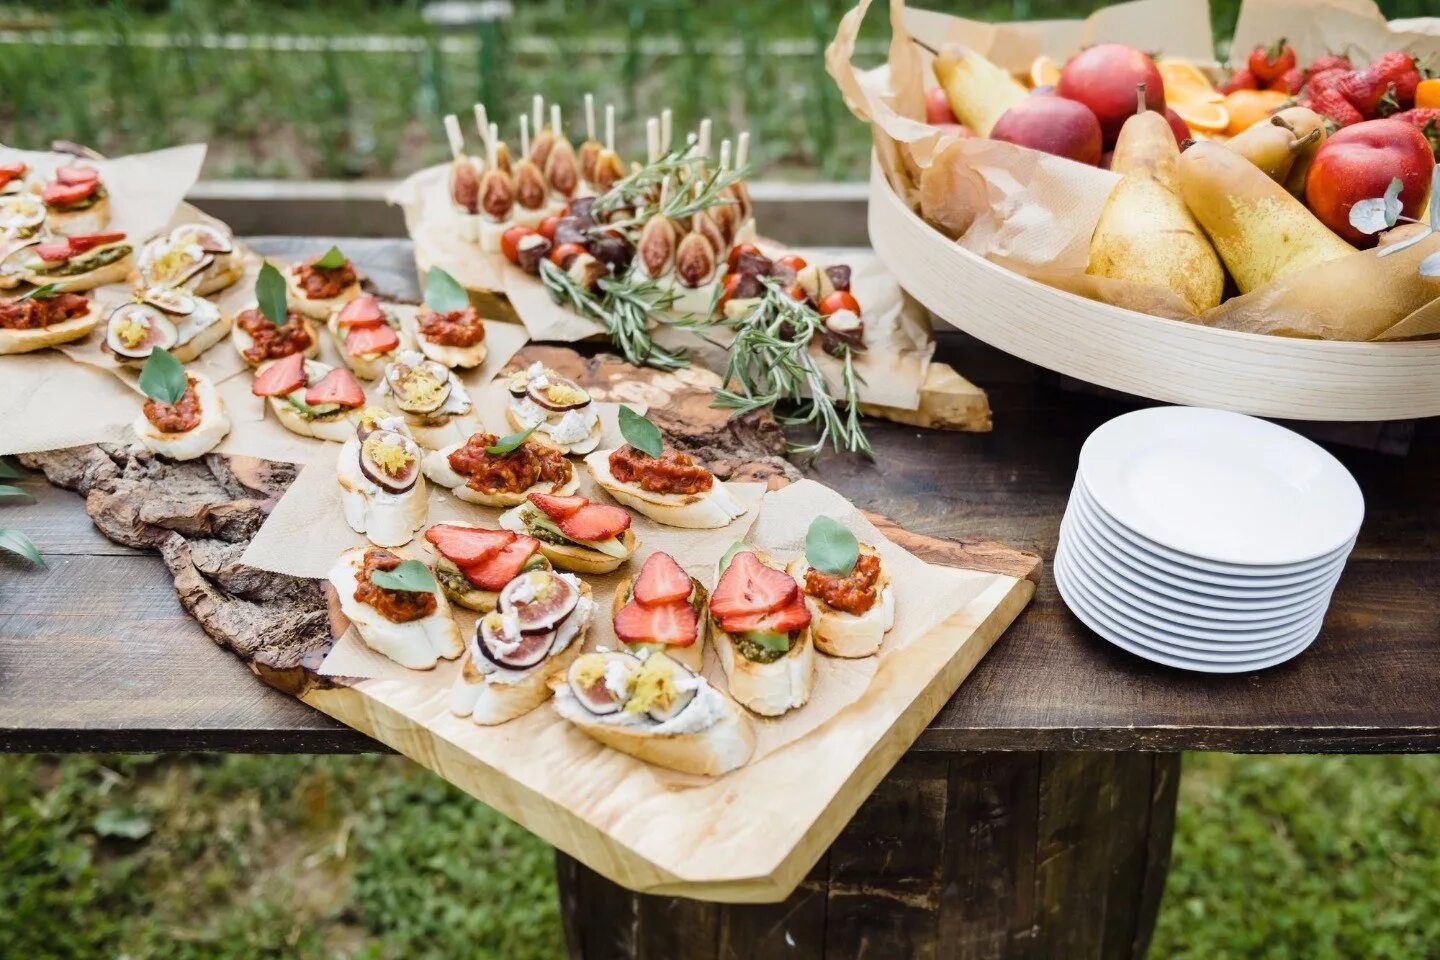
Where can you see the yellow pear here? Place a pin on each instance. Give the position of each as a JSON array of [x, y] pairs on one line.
[[1260, 230], [1145, 234], [1274, 145]]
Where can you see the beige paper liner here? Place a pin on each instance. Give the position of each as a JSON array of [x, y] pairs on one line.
[[1035, 214], [49, 403]]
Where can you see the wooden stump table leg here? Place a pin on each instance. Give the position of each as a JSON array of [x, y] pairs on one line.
[[982, 855]]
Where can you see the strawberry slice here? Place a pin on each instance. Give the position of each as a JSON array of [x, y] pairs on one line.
[[595, 521], [11, 171], [558, 508], [674, 624], [71, 175], [337, 386], [361, 312], [92, 240], [661, 580], [793, 616], [54, 252], [494, 573], [468, 545], [748, 587], [62, 194], [371, 339], [283, 376]]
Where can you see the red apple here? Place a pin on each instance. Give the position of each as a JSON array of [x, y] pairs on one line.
[[1053, 124], [1177, 123], [1358, 162], [1104, 77], [937, 107]]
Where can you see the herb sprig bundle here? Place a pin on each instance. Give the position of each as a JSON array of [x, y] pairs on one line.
[[770, 363], [624, 307]]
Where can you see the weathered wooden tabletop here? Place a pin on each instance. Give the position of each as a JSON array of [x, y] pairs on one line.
[[96, 653]]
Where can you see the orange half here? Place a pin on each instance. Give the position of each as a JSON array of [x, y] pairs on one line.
[[1184, 81], [1200, 115], [1044, 72]]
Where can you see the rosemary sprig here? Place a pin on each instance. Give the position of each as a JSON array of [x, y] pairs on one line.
[[694, 197], [624, 308], [770, 363], [642, 183]]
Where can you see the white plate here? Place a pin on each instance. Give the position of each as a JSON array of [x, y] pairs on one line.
[[1148, 592], [1126, 641], [1221, 486], [1133, 547], [1191, 590]]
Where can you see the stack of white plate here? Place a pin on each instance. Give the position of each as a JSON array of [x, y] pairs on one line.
[[1205, 540]]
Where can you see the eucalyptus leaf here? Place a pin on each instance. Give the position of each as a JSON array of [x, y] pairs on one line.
[[1372, 216], [13, 541], [163, 378], [10, 470], [443, 293], [332, 260], [1430, 266], [509, 442], [411, 576], [39, 293], [830, 547], [1434, 194], [640, 433], [270, 294], [7, 490]]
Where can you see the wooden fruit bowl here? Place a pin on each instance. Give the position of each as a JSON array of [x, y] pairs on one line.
[[1150, 356]]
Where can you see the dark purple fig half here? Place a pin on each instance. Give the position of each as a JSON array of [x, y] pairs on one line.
[[540, 598], [683, 697], [541, 395], [526, 652], [598, 698], [390, 460]]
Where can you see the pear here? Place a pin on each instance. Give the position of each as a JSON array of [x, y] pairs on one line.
[[1302, 122], [1145, 234], [1260, 230], [1273, 145]]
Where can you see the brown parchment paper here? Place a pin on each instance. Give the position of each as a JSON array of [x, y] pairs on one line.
[[1035, 214], [49, 403]]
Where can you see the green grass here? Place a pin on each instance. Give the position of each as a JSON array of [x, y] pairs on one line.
[[233, 858]]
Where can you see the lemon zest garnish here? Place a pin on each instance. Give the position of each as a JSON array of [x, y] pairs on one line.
[[654, 686], [388, 455], [132, 332], [591, 670], [565, 394]]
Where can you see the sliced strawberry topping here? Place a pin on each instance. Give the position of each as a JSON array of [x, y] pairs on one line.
[[674, 624], [92, 240], [72, 175], [337, 386], [283, 376], [468, 545], [361, 312], [558, 508], [595, 521], [53, 252], [661, 580], [371, 339], [67, 193], [794, 615], [500, 569], [748, 587], [10, 172]]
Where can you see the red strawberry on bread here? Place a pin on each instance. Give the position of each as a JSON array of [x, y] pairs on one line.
[[493, 573], [556, 507], [71, 174], [673, 624], [55, 251], [337, 386], [595, 521], [372, 338], [361, 312], [285, 375], [92, 240], [794, 615], [468, 545], [749, 588], [63, 194], [661, 580]]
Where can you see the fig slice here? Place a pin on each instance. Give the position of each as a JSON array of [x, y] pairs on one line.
[[419, 388], [527, 650], [206, 236], [171, 264], [695, 260], [134, 329], [21, 211], [598, 697], [657, 246], [685, 687], [390, 460], [519, 384], [540, 598], [178, 303], [571, 395]]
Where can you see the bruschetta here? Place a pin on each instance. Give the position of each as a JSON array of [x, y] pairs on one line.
[[404, 616], [474, 563], [851, 612], [311, 398], [656, 710], [557, 407], [674, 488], [183, 417], [481, 470], [455, 338], [369, 335], [322, 285], [198, 256], [575, 533], [760, 625], [259, 340], [535, 632], [45, 317], [430, 397], [382, 491], [74, 264], [76, 202], [662, 611], [168, 317]]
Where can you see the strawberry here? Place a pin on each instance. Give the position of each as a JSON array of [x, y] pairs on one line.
[[361, 312], [360, 341], [56, 251], [1330, 61], [595, 521], [558, 508], [337, 386], [11, 171], [468, 545], [1241, 79], [63, 194], [794, 615], [1269, 64], [498, 570], [661, 580], [748, 587], [673, 624], [92, 240], [281, 377], [1331, 104], [1428, 120], [72, 175], [1398, 69], [1364, 89], [1290, 81]]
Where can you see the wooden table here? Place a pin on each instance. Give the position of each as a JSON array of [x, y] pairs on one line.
[[1033, 818]]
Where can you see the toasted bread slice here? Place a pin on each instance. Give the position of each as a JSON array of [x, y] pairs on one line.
[[572, 556], [386, 519], [208, 433], [417, 644], [316, 309], [768, 689], [436, 466], [841, 634], [693, 656], [24, 341], [712, 509]]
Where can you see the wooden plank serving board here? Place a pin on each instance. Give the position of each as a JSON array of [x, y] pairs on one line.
[[749, 836]]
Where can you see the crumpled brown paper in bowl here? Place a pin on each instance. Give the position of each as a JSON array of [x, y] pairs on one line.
[[1035, 214]]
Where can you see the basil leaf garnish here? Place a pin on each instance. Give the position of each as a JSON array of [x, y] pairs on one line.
[[830, 547], [270, 294], [411, 576], [509, 442], [39, 293], [332, 260], [163, 378], [443, 293], [640, 433]]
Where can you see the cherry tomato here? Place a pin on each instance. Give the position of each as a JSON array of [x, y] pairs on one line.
[[797, 291], [547, 228], [564, 254], [793, 261], [740, 249], [510, 241], [839, 300], [727, 286]]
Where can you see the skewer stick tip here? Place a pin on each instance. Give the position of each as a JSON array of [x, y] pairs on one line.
[[589, 116], [452, 133], [652, 140], [610, 127]]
